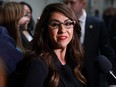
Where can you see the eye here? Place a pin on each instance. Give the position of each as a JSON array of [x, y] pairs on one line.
[[72, 2], [54, 24], [26, 15], [69, 23]]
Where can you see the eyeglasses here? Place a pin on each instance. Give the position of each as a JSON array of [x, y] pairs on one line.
[[55, 24]]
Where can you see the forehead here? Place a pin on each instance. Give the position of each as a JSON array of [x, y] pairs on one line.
[[26, 8], [58, 16]]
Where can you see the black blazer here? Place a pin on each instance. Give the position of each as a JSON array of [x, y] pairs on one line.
[[112, 30], [96, 41], [10, 55], [25, 41], [38, 74]]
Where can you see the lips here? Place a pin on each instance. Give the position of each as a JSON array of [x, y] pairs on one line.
[[62, 37]]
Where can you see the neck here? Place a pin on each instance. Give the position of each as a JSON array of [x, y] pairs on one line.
[[61, 55]]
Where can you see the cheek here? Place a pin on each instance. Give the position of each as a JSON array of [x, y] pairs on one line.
[[52, 35], [30, 16], [22, 21], [71, 32]]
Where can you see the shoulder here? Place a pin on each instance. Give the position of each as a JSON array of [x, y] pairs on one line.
[[5, 37], [94, 19], [3, 30], [36, 70], [32, 66], [10, 55], [37, 61], [38, 65], [96, 22]]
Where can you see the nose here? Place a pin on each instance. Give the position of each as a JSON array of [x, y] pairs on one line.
[[62, 29]]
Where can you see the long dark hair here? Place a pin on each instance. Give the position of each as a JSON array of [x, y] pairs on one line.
[[41, 44]]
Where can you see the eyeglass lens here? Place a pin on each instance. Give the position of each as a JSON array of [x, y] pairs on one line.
[[55, 24]]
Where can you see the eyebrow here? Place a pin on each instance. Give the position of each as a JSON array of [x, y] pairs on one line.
[[58, 20]]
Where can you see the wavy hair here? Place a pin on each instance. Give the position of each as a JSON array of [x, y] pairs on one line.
[[41, 44]]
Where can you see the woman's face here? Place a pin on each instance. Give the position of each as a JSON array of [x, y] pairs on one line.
[[26, 18], [23, 20], [60, 30], [27, 11]]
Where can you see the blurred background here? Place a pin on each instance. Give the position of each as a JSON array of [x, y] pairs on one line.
[[93, 7]]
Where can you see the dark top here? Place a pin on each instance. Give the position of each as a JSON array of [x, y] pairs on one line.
[[96, 42], [112, 32], [10, 55], [25, 41], [38, 74]]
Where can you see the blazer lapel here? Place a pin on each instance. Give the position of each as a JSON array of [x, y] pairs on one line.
[[88, 29]]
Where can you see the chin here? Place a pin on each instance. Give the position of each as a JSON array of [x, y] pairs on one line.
[[63, 46]]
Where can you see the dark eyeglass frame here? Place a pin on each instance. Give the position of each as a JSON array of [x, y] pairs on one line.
[[56, 24]]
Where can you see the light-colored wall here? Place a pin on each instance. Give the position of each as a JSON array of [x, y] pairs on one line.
[[101, 5], [38, 5]]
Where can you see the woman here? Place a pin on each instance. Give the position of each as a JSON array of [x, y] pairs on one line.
[[57, 55], [28, 10], [14, 17], [26, 29], [9, 36]]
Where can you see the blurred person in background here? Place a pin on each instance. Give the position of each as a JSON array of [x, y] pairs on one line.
[[28, 27], [108, 13], [11, 56], [96, 13], [11, 43], [95, 41], [14, 17], [109, 16], [112, 31]]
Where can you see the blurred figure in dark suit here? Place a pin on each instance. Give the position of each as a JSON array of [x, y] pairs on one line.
[[108, 13], [112, 32], [94, 39], [1, 2], [109, 16]]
